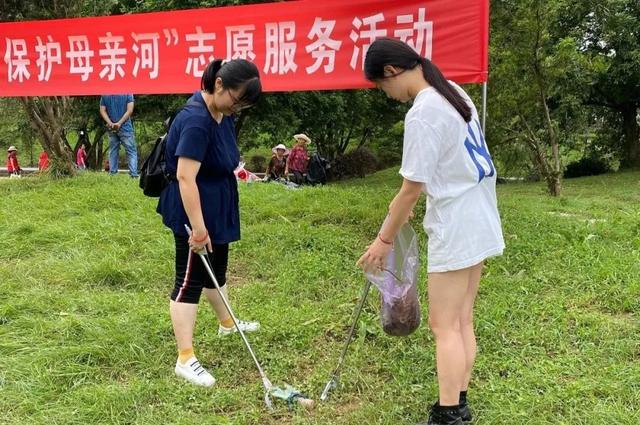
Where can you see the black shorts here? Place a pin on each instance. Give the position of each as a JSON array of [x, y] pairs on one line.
[[191, 276]]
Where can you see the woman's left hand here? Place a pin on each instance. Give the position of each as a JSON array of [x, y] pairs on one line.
[[375, 257]]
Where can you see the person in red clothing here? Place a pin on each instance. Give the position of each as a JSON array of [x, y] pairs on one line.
[[81, 157], [13, 168], [43, 161], [298, 159]]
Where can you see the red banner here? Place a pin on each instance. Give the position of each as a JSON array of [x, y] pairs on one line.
[[298, 45]]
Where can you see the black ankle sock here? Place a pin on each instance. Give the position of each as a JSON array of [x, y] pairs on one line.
[[463, 397], [443, 408]]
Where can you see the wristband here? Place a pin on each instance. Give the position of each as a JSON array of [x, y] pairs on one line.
[[383, 241]]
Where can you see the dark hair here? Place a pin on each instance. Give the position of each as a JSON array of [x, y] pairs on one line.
[[235, 74], [389, 51]]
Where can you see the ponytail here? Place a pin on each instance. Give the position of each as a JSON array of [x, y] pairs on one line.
[[434, 77], [389, 51], [208, 81]]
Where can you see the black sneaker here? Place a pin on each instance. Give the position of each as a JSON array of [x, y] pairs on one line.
[[465, 413], [448, 415]]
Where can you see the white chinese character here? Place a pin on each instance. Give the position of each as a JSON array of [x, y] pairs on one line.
[[112, 57], [15, 58], [146, 50], [240, 42], [324, 48], [195, 66], [281, 48], [79, 56], [421, 29], [370, 34], [48, 54]]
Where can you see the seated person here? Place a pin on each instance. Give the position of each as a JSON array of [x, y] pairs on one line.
[[278, 163]]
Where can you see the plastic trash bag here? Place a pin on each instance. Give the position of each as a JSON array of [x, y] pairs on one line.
[[244, 175], [398, 285]]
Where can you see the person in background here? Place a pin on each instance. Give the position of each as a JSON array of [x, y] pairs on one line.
[[81, 157], [116, 111], [298, 158], [278, 163], [13, 168], [43, 161]]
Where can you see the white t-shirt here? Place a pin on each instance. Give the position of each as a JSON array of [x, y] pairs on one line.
[[451, 158]]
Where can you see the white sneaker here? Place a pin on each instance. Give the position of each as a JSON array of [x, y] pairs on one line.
[[245, 326], [193, 372]]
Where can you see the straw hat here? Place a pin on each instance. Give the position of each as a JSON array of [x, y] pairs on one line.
[[302, 136], [12, 148], [281, 146]]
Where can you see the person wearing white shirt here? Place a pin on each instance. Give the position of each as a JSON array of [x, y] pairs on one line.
[[445, 156]]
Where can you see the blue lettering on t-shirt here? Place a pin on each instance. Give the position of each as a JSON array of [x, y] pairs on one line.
[[478, 151]]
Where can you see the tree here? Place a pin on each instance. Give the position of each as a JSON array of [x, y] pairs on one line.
[[335, 120], [48, 114], [525, 82], [612, 43]]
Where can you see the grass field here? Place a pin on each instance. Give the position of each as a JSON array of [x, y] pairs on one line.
[[85, 335]]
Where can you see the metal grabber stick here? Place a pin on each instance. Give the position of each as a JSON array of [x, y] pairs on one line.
[[265, 381], [333, 382]]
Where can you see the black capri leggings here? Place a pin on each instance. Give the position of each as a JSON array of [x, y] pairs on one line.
[[191, 276]]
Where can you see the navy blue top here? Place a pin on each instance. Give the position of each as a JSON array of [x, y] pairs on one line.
[[116, 106], [195, 134]]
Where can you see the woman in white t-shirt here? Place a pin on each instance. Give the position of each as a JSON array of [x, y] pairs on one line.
[[445, 156]]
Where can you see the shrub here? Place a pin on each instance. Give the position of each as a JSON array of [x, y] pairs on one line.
[[356, 163], [586, 167], [257, 164]]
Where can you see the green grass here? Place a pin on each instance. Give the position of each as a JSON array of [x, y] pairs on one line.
[[85, 336]]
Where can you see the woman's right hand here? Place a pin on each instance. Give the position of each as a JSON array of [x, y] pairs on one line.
[[200, 240]]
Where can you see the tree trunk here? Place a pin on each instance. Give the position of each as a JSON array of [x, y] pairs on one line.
[[551, 176], [47, 115], [553, 168], [95, 155], [554, 174], [554, 184], [631, 136]]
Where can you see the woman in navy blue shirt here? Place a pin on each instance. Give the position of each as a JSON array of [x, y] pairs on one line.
[[202, 153]]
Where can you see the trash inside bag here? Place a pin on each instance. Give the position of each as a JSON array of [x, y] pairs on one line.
[[398, 285]]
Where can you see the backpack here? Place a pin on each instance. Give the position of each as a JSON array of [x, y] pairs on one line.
[[317, 170], [154, 176]]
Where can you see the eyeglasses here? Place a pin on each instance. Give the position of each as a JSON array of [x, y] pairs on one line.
[[237, 103]]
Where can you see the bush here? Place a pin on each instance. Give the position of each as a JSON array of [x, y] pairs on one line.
[[356, 163], [388, 158], [257, 164], [586, 167]]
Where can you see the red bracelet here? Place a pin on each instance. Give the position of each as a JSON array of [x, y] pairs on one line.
[[206, 235], [383, 241]]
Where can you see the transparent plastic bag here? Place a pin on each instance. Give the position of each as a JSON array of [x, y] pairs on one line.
[[398, 285], [242, 174]]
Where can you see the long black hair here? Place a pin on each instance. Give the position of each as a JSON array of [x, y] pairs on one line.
[[235, 74], [389, 51]]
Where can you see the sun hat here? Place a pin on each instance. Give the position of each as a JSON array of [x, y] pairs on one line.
[[281, 146], [12, 148], [302, 136]]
